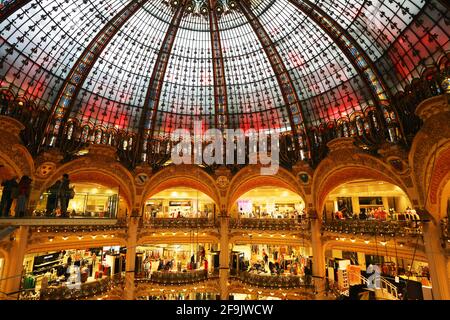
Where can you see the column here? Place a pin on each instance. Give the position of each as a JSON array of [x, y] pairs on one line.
[[14, 264], [355, 205], [336, 207], [318, 267], [133, 224], [385, 203], [224, 257], [436, 261]]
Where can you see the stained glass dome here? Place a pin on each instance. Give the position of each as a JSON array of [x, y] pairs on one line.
[[158, 65]]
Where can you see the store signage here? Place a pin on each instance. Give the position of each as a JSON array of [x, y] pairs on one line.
[[179, 203]]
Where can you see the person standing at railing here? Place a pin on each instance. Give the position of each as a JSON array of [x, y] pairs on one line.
[[308, 275], [10, 188], [65, 193], [362, 216], [147, 268], [52, 199], [24, 190]]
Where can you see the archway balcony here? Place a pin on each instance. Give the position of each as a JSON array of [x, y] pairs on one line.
[[180, 208], [370, 208]]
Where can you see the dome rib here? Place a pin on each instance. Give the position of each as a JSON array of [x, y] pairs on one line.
[[73, 83], [290, 97], [220, 86], [365, 66], [152, 98]]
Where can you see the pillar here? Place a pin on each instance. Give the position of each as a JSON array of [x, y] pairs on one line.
[[14, 264], [317, 249], [385, 203], [224, 258], [133, 224], [436, 261], [336, 206], [355, 205], [318, 267]]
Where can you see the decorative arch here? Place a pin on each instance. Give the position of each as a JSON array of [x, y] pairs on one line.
[[345, 163], [250, 178], [93, 170], [436, 178], [344, 174], [13, 153], [182, 176], [429, 145]]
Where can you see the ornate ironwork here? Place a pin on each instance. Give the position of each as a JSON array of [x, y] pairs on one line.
[[63, 105], [151, 102], [360, 61], [9, 7], [290, 97], [220, 88]]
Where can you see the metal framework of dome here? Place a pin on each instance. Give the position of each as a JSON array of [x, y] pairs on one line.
[[143, 68]]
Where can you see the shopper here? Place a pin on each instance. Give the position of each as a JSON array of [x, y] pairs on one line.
[[65, 193], [24, 190], [308, 275], [8, 194], [265, 257], [147, 268], [362, 216], [52, 199]]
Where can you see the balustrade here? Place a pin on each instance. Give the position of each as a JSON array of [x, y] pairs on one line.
[[276, 281], [85, 290], [175, 278], [182, 223], [270, 224], [374, 227]]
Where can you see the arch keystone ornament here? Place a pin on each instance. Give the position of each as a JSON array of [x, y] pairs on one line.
[[45, 169]]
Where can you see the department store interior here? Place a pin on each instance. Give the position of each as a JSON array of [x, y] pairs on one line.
[[96, 205]]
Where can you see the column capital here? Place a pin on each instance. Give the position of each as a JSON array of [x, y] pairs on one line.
[[433, 106]]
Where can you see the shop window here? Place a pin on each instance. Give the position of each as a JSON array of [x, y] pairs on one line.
[[87, 202]]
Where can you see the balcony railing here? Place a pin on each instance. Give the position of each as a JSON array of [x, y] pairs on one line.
[[181, 223], [276, 281], [57, 221], [85, 290], [270, 224], [374, 227], [175, 278]]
